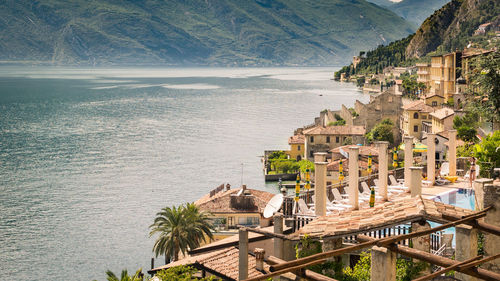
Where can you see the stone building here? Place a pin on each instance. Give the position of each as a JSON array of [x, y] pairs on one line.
[[323, 139], [442, 120], [424, 75], [414, 116], [296, 143], [237, 207], [444, 74]]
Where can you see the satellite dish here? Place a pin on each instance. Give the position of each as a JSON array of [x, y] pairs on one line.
[[273, 205]]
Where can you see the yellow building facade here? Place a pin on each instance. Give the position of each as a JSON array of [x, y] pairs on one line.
[[424, 75], [443, 74], [296, 143], [442, 120], [414, 114]]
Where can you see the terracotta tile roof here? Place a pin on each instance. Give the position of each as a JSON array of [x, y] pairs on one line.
[[363, 150], [430, 95], [442, 113], [418, 105], [335, 130], [221, 202], [225, 262], [383, 215], [296, 139]]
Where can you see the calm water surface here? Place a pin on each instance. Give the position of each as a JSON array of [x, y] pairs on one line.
[[88, 156]]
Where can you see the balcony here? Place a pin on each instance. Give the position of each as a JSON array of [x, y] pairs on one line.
[[422, 72]]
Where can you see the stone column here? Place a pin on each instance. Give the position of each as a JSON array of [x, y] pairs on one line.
[[431, 157], [415, 181], [408, 158], [243, 255], [478, 187], [320, 156], [491, 241], [320, 185], [353, 190], [383, 266], [383, 169], [422, 243], [330, 245], [278, 229], [452, 152], [466, 247]]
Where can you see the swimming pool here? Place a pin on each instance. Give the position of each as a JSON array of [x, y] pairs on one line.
[[462, 197]]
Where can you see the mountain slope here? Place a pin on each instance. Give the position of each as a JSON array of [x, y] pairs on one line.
[[450, 27], [416, 11], [196, 32]]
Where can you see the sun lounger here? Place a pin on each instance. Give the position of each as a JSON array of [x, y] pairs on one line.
[[389, 188], [303, 209], [366, 192], [445, 169]]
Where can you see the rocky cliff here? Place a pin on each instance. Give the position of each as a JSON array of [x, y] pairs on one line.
[[450, 27]]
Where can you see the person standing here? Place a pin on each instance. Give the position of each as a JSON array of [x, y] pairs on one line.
[[472, 173]]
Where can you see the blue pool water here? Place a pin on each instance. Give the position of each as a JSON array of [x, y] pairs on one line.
[[463, 198]]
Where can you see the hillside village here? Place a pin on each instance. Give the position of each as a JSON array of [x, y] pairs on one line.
[[403, 187], [409, 176]]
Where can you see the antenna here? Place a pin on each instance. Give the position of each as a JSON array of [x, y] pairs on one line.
[[241, 174]]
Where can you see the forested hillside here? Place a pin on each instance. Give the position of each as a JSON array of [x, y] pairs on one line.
[[194, 32]]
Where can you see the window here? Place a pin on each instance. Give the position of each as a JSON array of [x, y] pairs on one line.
[[415, 128], [423, 116], [434, 103], [298, 147], [248, 221], [311, 153], [328, 139], [311, 139], [415, 115], [337, 139]]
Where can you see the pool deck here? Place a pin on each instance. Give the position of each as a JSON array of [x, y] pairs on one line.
[[432, 191]]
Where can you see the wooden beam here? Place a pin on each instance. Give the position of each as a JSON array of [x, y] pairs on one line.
[[393, 239], [437, 260], [225, 245], [267, 233], [479, 262], [309, 274], [320, 257], [444, 270], [485, 227], [233, 243]]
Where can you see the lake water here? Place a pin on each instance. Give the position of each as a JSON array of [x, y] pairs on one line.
[[89, 156]]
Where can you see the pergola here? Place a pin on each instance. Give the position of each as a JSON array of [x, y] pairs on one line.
[[384, 250]]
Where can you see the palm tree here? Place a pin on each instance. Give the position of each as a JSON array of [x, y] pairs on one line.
[[125, 277], [180, 228]]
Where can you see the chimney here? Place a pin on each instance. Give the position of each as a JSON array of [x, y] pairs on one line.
[[244, 187], [228, 186], [259, 258]]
